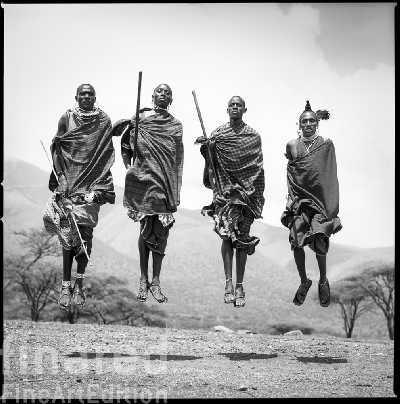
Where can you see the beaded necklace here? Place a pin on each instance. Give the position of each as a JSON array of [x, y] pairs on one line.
[[157, 108], [86, 114], [310, 142]]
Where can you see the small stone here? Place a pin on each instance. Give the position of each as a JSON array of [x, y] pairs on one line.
[[294, 333], [243, 388], [222, 328], [245, 332]]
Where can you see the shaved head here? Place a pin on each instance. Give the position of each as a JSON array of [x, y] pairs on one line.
[[85, 97], [240, 98], [83, 85], [163, 85], [162, 96]]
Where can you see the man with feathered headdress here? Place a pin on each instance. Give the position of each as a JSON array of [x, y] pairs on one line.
[[313, 199], [83, 154]]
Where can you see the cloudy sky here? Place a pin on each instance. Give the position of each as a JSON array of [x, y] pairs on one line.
[[276, 56]]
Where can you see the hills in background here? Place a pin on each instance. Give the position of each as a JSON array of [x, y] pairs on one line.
[[192, 274]]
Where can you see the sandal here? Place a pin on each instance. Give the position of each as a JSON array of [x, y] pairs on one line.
[[78, 293], [64, 300], [301, 293], [324, 293], [240, 300], [155, 290], [229, 296], [143, 291], [78, 296]]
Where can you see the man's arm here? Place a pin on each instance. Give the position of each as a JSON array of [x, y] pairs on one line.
[[126, 150], [58, 183], [291, 150], [57, 159]]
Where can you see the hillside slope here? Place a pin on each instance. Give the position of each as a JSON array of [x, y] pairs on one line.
[[192, 274]]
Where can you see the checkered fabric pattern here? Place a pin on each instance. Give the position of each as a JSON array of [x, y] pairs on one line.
[[153, 182], [239, 169], [239, 164], [88, 154], [58, 222], [233, 221]]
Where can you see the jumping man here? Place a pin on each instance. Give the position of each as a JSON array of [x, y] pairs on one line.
[[313, 199], [83, 153], [154, 163], [236, 176]]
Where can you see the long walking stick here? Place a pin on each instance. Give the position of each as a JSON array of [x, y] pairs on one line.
[[72, 213], [137, 117], [208, 147]]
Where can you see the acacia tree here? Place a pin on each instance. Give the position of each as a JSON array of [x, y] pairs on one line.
[[378, 283], [32, 271], [353, 302]]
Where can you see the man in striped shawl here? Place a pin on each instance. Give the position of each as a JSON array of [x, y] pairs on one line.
[[83, 153], [154, 163], [236, 176], [313, 200]]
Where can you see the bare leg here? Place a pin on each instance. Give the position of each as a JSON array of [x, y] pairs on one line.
[[81, 258], [227, 257], [305, 285], [155, 288], [300, 260], [157, 262], [64, 299], [68, 257], [323, 286], [321, 259], [241, 259], [144, 259], [79, 296], [82, 262]]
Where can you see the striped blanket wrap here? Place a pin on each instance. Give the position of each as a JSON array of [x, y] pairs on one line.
[[238, 162], [87, 154], [153, 182]]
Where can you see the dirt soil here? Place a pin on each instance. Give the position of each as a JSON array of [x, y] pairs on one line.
[[59, 360]]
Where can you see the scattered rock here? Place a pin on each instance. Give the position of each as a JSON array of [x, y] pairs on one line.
[[222, 328], [294, 333], [245, 332]]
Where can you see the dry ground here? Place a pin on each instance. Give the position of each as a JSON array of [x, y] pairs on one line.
[[58, 360]]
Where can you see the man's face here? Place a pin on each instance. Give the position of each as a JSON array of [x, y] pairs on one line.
[[236, 108], [162, 96], [308, 123], [86, 97]]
